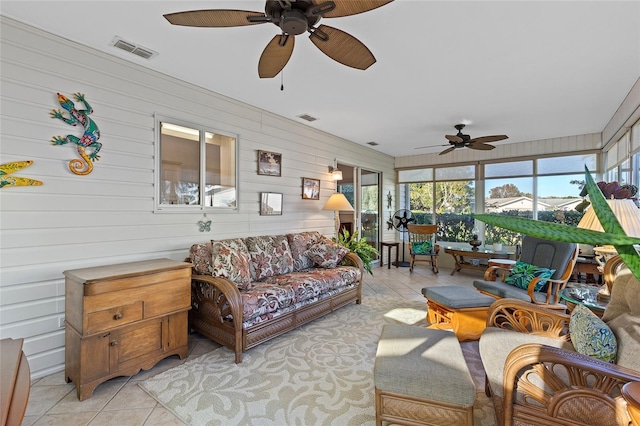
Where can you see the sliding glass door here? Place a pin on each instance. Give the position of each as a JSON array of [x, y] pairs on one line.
[[362, 189]]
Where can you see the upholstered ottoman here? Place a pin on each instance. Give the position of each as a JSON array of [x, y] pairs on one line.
[[458, 308], [421, 378]]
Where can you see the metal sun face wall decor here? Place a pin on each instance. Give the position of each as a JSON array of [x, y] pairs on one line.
[[89, 138]]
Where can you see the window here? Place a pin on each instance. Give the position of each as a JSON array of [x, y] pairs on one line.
[[197, 167], [546, 189]]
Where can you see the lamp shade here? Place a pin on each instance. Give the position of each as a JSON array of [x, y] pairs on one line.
[[336, 175], [338, 202], [624, 210]]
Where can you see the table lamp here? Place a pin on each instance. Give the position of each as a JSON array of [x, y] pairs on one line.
[[628, 216], [337, 203]]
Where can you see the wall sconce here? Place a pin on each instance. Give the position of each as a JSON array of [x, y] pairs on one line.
[[335, 173]]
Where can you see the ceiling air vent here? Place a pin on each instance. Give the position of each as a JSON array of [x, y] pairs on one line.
[[307, 117], [373, 143], [143, 52]]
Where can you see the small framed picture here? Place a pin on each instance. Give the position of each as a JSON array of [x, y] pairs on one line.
[[310, 189], [270, 203], [269, 163]]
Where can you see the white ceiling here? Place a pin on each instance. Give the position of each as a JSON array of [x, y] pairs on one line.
[[529, 69]]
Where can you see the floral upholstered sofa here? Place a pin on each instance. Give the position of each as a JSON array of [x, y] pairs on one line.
[[245, 291]]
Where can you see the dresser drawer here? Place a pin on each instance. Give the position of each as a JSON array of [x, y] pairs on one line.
[[114, 317]]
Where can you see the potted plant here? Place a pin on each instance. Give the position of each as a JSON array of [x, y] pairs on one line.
[[613, 235], [359, 246]]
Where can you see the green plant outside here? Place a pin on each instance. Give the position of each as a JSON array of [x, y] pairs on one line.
[[365, 251], [455, 227], [613, 235]]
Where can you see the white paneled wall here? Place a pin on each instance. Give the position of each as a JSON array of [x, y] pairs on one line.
[[107, 216]]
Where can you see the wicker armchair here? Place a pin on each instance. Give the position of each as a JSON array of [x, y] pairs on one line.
[[534, 375], [559, 256]]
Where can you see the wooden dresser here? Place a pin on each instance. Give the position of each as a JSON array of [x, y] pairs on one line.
[[122, 318]]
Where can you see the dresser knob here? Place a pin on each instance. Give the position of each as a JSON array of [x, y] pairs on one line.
[[114, 343], [117, 316]]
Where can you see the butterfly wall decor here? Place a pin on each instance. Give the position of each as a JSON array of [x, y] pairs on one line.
[[205, 224]]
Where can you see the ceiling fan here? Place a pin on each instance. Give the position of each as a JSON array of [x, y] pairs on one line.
[[293, 17], [461, 140]]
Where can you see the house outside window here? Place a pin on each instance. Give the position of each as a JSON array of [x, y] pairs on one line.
[[196, 167]]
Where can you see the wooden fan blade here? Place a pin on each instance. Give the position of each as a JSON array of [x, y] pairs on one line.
[[429, 146], [481, 146], [448, 150], [454, 138], [274, 57], [351, 7], [494, 138], [342, 47], [214, 18]]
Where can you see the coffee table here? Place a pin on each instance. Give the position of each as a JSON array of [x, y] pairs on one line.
[[464, 258]]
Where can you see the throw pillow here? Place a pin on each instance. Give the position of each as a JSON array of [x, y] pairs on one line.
[[299, 243], [327, 254], [422, 247], [591, 336], [270, 255], [230, 259], [200, 255], [522, 274]]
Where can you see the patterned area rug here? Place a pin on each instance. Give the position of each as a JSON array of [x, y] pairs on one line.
[[319, 374]]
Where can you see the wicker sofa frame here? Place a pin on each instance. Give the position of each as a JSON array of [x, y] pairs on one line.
[[216, 311]]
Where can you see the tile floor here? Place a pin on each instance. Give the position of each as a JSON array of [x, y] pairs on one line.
[[121, 402]]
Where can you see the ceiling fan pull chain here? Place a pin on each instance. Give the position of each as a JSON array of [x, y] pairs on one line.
[[282, 80]]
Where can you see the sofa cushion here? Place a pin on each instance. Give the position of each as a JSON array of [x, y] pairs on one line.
[[200, 255], [626, 327], [550, 254], [230, 259], [270, 255], [496, 343], [591, 336], [505, 291], [327, 254], [625, 296], [299, 243], [311, 283], [523, 272], [264, 299]]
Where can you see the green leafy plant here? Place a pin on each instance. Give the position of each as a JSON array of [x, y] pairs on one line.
[[613, 235], [359, 246]]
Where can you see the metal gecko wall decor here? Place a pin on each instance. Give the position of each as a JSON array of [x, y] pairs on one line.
[[89, 138], [7, 169]]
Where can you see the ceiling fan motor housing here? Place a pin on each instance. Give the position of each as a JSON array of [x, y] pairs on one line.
[[293, 22], [291, 17]]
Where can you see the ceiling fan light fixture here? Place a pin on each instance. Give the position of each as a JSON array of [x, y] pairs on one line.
[[293, 22]]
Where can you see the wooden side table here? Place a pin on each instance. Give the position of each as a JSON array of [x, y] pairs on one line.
[[389, 247], [505, 264]]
